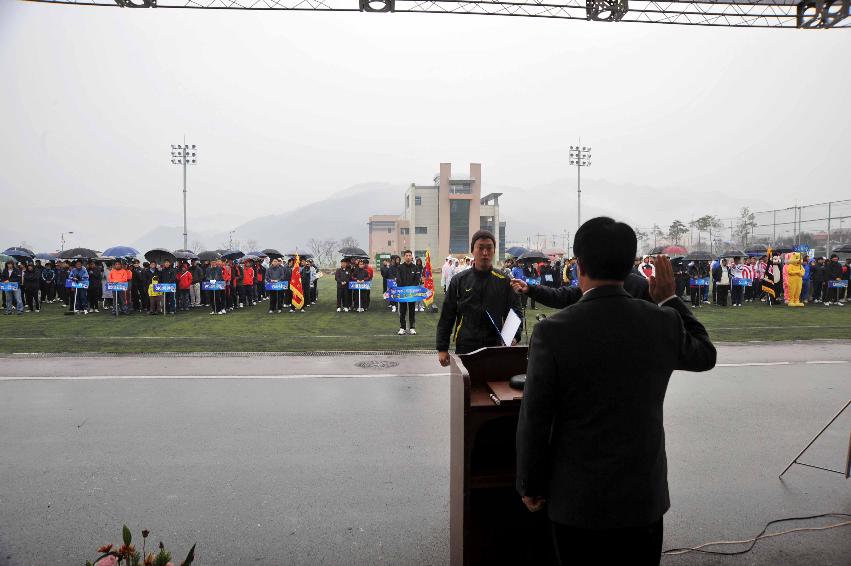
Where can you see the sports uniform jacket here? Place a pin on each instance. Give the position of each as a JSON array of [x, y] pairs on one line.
[[471, 296]]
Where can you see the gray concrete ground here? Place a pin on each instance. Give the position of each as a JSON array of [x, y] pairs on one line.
[[315, 460]]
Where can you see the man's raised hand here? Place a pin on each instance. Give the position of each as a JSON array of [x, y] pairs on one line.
[[662, 284]]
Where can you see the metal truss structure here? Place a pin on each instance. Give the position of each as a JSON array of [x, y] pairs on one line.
[[802, 14]]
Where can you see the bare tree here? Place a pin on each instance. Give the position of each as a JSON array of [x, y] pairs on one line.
[[323, 251], [349, 242], [197, 246], [251, 245]]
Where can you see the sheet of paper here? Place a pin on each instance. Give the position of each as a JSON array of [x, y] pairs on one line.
[[509, 329]]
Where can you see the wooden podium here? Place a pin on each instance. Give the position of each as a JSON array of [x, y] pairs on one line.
[[488, 523]]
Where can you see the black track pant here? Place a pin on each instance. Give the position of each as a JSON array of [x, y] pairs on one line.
[[409, 308]]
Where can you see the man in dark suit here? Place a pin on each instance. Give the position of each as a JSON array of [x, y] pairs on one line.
[[590, 439]]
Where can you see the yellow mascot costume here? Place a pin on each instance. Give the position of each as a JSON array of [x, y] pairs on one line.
[[794, 276]]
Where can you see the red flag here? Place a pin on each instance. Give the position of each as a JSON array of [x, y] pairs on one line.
[[428, 280], [295, 285]]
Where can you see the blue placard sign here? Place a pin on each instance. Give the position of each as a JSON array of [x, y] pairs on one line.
[[356, 286], [699, 282], [742, 282], [548, 277], [213, 285], [391, 283], [409, 294], [837, 284], [117, 286], [165, 287], [10, 286], [533, 280], [76, 284], [277, 285], [574, 282]]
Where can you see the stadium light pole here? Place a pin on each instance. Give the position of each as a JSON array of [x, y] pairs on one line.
[[62, 240], [580, 156], [184, 155]]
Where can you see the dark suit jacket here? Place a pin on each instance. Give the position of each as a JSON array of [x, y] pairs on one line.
[[590, 437], [561, 297]]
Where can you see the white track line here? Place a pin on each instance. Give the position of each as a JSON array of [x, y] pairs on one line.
[[753, 364], [827, 362], [293, 376]]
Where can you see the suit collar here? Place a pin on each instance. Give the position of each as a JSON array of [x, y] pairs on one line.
[[604, 292]]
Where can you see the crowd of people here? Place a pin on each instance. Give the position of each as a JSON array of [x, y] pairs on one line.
[[83, 286], [714, 282], [244, 283]]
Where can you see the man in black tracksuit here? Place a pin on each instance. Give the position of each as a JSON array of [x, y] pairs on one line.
[[475, 296], [342, 276], [169, 275], [407, 275], [833, 272]]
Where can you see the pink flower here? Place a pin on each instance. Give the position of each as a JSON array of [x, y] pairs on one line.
[[107, 561]]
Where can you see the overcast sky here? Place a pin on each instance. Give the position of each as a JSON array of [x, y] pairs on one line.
[[287, 108]]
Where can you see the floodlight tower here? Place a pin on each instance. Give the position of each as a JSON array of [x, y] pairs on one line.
[[580, 156], [184, 155]]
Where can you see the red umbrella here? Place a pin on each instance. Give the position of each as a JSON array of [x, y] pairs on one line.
[[674, 250]]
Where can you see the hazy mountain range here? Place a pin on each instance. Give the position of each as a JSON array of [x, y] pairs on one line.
[[540, 210]]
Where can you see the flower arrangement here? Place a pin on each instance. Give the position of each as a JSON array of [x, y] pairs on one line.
[[127, 555]]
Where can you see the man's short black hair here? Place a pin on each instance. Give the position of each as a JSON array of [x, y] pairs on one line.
[[407, 252], [606, 248], [482, 235]]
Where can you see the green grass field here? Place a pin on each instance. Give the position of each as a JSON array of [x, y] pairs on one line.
[[321, 328]]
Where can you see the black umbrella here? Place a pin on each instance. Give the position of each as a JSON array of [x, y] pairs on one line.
[[733, 253], [533, 256], [781, 250], [657, 250], [185, 254], [757, 250], [232, 254], [302, 255], [159, 255], [699, 256], [353, 252], [19, 253], [516, 251], [273, 253], [209, 256], [843, 249], [78, 253]]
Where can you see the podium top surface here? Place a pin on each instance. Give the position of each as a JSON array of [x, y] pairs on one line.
[[493, 364]]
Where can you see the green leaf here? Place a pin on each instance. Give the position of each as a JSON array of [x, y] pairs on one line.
[[189, 557], [125, 532], [89, 563], [163, 558]]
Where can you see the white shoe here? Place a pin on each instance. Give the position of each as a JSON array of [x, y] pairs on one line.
[[271, 312], [37, 310], [85, 311], [339, 309], [242, 306], [345, 309], [412, 331], [292, 310], [401, 332], [839, 304], [393, 309]]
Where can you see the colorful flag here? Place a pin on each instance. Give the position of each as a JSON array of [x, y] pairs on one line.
[[768, 280], [428, 280], [295, 285]]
